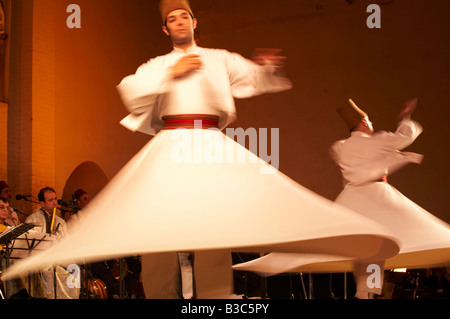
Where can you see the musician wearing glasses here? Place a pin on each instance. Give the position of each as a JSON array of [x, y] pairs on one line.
[[4, 212], [5, 192]]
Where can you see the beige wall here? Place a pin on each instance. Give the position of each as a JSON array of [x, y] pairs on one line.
[[331, 55]]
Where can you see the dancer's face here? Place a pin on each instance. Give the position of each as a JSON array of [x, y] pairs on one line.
[[180, 26]]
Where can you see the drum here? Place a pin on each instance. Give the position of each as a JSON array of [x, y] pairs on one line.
[[97, 288]]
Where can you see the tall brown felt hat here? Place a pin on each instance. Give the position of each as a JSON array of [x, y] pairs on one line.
[[167, 6], [351, 114]]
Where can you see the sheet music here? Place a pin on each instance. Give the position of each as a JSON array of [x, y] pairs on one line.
[[29, 243], [13, 232], [7, 231]]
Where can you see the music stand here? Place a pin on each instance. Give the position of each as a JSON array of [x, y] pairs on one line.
[[8, 236], [30, 243], [27, 243]]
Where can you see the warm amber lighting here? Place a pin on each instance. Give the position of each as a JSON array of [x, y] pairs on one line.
[[399, 270]]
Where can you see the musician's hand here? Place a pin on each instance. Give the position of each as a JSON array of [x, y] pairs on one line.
[[186, 65], [408, 108], [268, 56]]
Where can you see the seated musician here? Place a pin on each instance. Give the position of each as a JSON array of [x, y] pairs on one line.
[[5, 192], [47, 221], [14, 286], [46, 217], [3, 216], [4, 213]]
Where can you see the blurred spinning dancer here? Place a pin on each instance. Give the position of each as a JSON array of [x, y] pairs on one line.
[[366, 159], [193, 80]]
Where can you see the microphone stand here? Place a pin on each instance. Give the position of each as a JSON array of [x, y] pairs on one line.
[[30, 200], [18, 211], [122, 289], [54, 283], [55, 288]]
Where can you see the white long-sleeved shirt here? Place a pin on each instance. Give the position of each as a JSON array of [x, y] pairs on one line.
[[366, 158], [151, 93], [39, 219]]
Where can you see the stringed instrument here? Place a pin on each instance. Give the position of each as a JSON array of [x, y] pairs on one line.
[[2, 229], [98, 288]]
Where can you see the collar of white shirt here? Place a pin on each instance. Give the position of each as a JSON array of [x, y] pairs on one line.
[[191, 49]]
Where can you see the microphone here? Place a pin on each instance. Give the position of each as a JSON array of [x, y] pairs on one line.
[[63, 210], [63, 203], [24, 197]]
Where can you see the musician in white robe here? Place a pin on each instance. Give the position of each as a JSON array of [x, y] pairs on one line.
[[46, 216], [47, 221]]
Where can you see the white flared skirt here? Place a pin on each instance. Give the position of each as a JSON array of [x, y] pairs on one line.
[[191, 189], [424, 239]]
